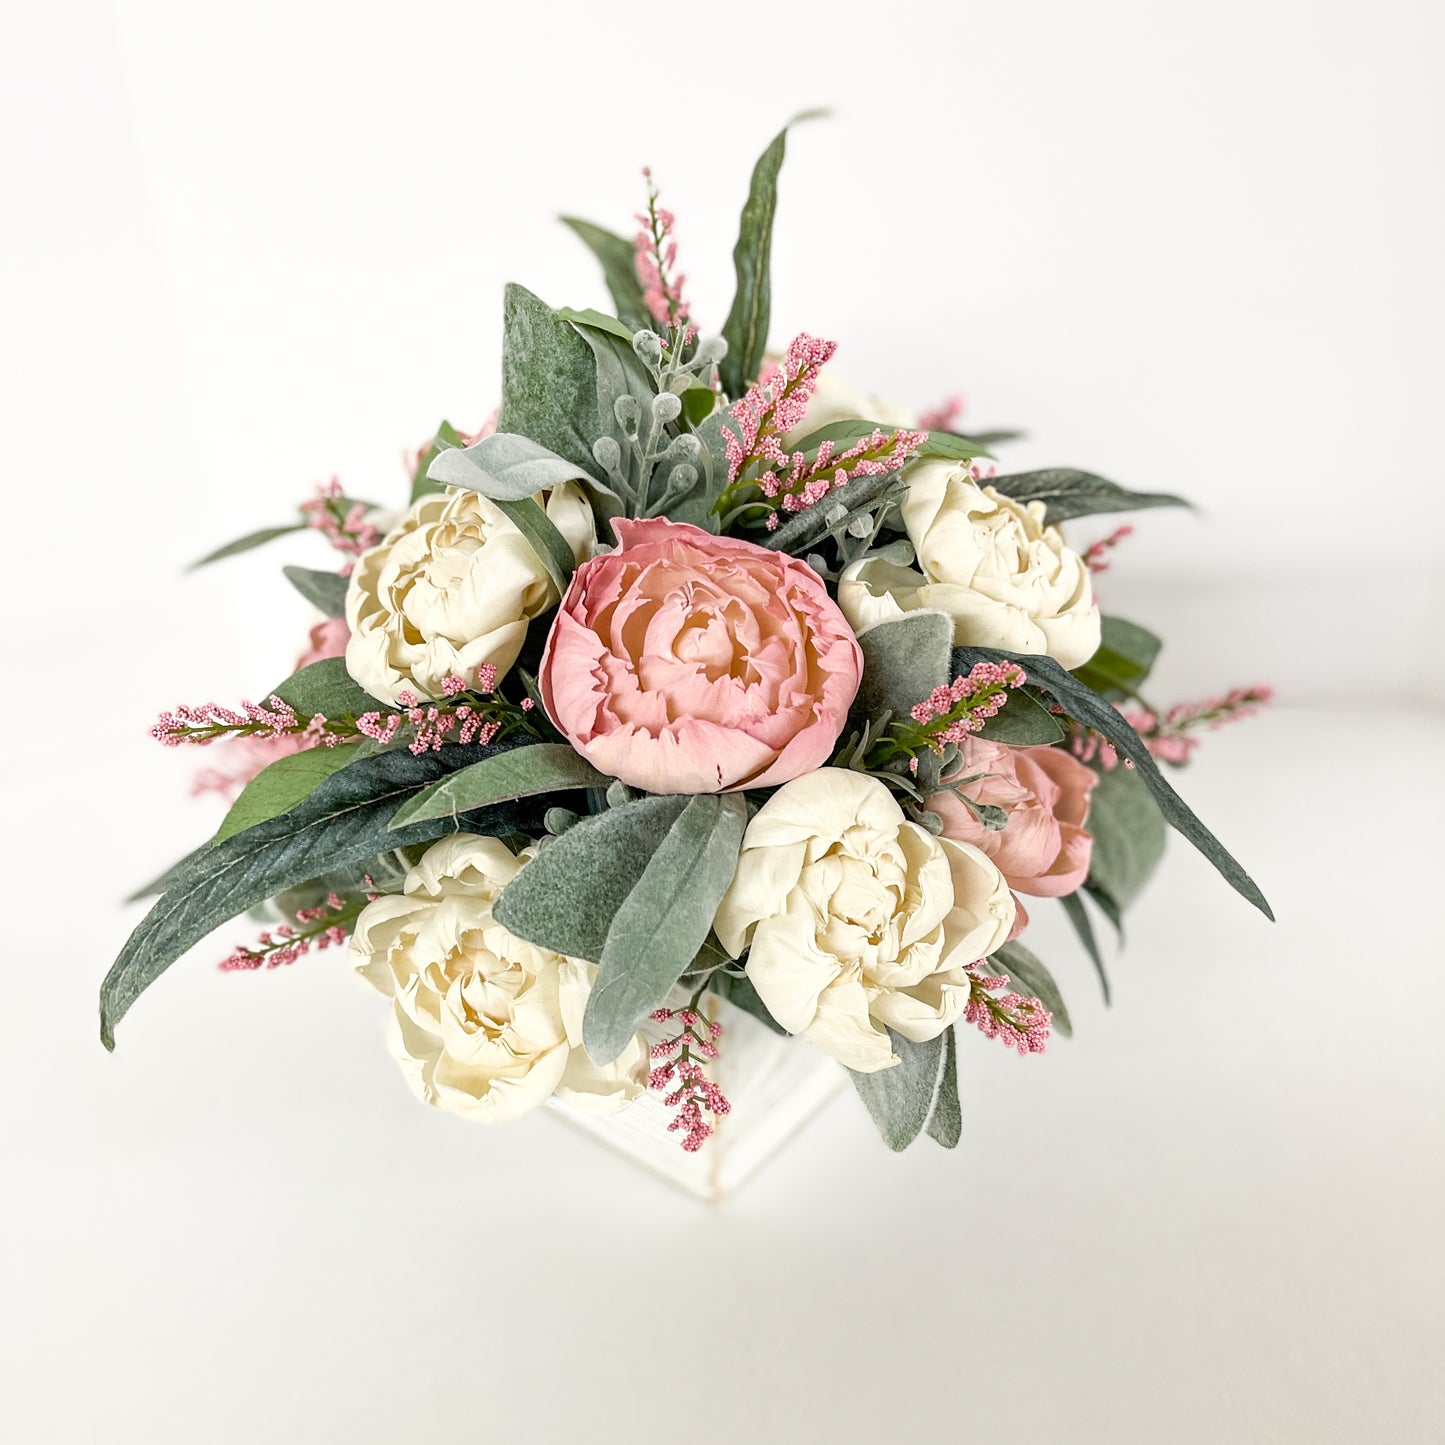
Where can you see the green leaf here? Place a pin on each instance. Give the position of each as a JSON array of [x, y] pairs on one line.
[[619, 267], [326, 687], [1128, 832], [664, 920], [843, 434], [566, 898], [325, 591], [549, 380], [279, 786], [1069, 493], [344, 821], [741, 993], [904, 660], [1087, 707], [1078, 915], [1030, 977], [546, 541], [698, 403], [447, 436], [598, 321], [1107, 907], [746, 329], [504, 467], [1123, 662], [246, 543], [945, 1123], [900, 1098], [521, 773], [1023, 722]]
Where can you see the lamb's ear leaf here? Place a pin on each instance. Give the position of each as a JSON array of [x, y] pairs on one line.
[[945, 1123], [325, 591], [904, 660], [900, 1098], [346, 820], [659, 927], [1067, 492], [1030, 977], [746, 327], [503, 467], [1087, 707], [1078, 915], [619, 268]]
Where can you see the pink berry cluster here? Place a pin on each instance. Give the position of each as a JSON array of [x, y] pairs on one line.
[[806, 483], [942, 417], [655, 255], [1169, 736], [321, 927], [999, 1013], [344, 525], [769, 409], [1096, 559], [681, 1072], [949, 714]]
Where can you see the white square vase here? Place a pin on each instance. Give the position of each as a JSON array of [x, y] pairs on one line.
[[775, 1084]]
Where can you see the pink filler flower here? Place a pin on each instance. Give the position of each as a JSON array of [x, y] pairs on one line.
[[681, 662]]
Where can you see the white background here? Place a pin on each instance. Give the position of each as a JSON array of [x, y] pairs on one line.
[[1193, 249]]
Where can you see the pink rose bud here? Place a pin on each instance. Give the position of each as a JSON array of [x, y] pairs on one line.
[[681, 662]]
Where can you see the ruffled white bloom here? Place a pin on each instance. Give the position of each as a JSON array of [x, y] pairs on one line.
[[452, 586], [990, 563], [484, 1024], [858, 918], [839, 400]]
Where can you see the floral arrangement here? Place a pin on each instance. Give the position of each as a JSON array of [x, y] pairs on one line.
[[692, 674]]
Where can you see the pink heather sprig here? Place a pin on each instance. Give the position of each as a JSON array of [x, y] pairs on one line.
[[467, 713], [951, 713], [771, 408], [321, 927], [681, 1077], [1170, 736], [344, 526], [999, 1013], [1096, 559], [806, 483], [655, 256], [943, 416]]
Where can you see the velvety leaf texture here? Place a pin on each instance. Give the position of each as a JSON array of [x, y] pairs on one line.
[[900, 1098], [346, 820], [945, 1123], [503, 467]]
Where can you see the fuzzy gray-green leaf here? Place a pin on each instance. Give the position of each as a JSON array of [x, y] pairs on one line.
[[904, 660], [546, 541], [900, 1098], [945, 1123], [1078, 915], [504, 467]]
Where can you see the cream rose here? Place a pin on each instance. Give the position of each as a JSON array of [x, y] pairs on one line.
[[990, 563], [858, 919], [483, 1023], [452, 586]]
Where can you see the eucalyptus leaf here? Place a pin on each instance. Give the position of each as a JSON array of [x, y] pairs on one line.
[[1078, 915], [344, 821], [549, 380], [598, 321], [900, 1098], [566, 898], [504, 467], [1068, 493], [1030, 977], [326, 591], [246, 543], [1022, 722], [1128, 831], [521, 773], [619, 267], [664, 920], [945, 1123], [279, 786], [1087, 707]]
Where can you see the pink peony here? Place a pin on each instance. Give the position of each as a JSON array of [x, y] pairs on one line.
[[1044, 850], [328, 639], [681, 662]]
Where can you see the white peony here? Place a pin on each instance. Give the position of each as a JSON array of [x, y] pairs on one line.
[[858, 918], [452, 586], [484, 1024], [990, 563]]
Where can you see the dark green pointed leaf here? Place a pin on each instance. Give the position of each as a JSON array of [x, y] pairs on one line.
[[1087, 707], [326, 591], [741, 994], [447, 436], [246, 543], [1078, 915], [546, 541], [843, 434], [664, 920], [326, 687], [346, 820], [945, 1123], [900, 1098], [619, 268], [1067, 493], [1123, 661], [1023, 722], [523, 772], [598, 321], [279, 786], [1031, 978]]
